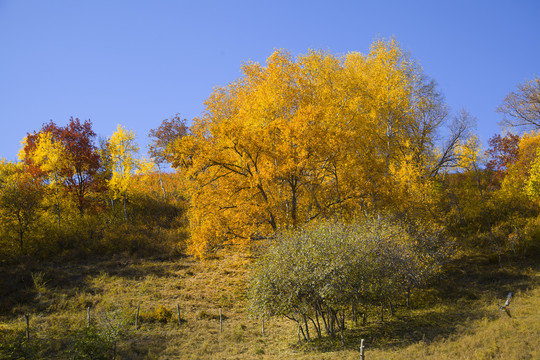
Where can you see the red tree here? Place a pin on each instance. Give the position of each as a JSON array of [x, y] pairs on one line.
[[164, 136], [83, 161], [502, 152]]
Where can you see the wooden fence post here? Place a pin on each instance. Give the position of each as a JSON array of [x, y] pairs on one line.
[[27, 316], [362, 350], [263, 326], [88, 316], [137, 316], [178, 314], [220, 321]]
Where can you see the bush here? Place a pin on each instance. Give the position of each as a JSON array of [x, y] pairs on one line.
[[323, 270], [90, 343]]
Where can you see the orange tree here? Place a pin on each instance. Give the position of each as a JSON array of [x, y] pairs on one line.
[[308, 138]]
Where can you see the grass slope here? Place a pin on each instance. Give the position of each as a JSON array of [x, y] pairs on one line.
[[457, 318]]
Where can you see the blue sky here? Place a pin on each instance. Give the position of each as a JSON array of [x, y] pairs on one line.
[[136, 63]]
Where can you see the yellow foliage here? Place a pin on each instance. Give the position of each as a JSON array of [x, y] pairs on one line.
[[533, 182], [522, 176], [469, 153], [123, 153], [305, 138]]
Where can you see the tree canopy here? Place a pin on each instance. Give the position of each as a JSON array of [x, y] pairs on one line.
[[522, 106], [313, 137]]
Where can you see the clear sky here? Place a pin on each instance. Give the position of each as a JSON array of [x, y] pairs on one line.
[[136, 63]]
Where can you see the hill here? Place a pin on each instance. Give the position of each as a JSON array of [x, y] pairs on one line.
[[455, 318]]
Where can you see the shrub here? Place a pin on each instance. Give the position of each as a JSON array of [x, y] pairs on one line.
[[90, 343], [322, 270]]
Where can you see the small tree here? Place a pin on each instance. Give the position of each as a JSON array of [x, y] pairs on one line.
[[124, 162], [66, 156], [163, 138], [317, 273]]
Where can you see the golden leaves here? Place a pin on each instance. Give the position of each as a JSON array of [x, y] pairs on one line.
[[304, 138], [122, 150]]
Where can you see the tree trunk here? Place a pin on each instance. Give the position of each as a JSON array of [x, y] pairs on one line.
[[21, 233], [325, 323], [332, 323], [342, 328], [21, 243], [125, 208], [316, 324], [301, 330], [161, 182], [307, 327], [294, 205]]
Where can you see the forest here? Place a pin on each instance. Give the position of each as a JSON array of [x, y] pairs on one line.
[[345, 183]]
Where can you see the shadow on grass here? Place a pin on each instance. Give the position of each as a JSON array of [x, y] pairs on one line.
[[20, 285], [401, 331], [455, 299]]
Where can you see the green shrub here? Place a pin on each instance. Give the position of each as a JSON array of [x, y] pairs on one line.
[[325, 269], [90, 343]]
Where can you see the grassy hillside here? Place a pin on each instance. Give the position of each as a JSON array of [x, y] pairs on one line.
[[456, 318]]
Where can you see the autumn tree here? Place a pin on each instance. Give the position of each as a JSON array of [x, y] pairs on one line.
[[502, 152], [67, 155], [163, 139], [20, 197], [522, 107], [84, 160], [310, 138], [49, 156], [122, 150], [489, 194], [471, 160], [517, 173]]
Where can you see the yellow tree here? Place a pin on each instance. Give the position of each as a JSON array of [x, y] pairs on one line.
[[20, 197], [50, 157], [520, 176], [124, 163], [517, 196], [533, 182], [308, 138]]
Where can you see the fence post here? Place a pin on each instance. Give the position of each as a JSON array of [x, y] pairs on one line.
[[137, 316], [88, 316], [220, 321], [263, 326], [362, 350], [27, 316], [178, 314]]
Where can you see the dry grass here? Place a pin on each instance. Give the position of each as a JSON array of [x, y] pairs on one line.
[[456, 319]]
